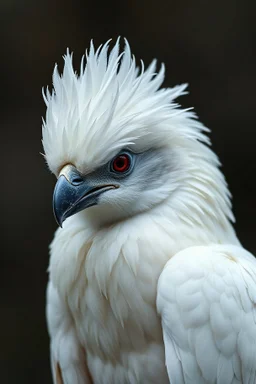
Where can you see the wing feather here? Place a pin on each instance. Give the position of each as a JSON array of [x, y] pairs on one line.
[[172, 356], [207, 302]]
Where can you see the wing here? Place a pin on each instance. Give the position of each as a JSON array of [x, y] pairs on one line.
[[207, 302], [67, 356]]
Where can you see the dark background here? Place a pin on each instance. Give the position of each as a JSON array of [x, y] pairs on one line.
[[209, 44]]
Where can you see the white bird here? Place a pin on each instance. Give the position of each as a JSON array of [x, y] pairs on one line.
[[148, 282]]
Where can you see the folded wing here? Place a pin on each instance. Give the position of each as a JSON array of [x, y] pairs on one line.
[[207, 302]]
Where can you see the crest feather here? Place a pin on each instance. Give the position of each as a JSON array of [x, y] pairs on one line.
[[111, 104]]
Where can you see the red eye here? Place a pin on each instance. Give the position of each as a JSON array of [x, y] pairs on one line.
[[121, 163]]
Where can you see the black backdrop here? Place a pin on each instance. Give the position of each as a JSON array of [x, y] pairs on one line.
[[209, 44]]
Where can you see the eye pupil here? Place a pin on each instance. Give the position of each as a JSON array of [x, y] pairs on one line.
[[121, 163]]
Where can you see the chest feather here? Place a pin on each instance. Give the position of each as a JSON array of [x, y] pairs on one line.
[[113, 298]]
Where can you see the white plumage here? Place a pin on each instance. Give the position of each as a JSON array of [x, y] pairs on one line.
[[150, 283]]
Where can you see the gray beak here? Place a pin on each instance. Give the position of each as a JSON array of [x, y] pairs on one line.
[[74, 192]]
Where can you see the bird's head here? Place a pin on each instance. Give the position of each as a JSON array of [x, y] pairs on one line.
[[115, 140]]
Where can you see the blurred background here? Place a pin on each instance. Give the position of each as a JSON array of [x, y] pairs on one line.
[[209, 44]]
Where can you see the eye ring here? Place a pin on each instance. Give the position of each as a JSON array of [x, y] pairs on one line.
[[121, 163]]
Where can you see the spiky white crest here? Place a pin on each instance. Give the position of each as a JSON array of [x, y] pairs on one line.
[[111, 104]]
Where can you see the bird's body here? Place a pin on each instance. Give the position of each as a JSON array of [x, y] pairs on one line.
[[135, 294], [114, 296]]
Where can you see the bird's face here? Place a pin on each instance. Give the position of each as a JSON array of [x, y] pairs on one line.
[[127, 184]]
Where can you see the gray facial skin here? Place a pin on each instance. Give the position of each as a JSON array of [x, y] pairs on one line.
[[75, 192]]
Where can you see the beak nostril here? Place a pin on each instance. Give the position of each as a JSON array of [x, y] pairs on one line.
[[76, 180]]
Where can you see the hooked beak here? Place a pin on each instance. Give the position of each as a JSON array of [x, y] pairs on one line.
[[74, 192]]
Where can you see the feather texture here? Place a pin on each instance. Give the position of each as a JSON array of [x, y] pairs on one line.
[[208, 315]]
